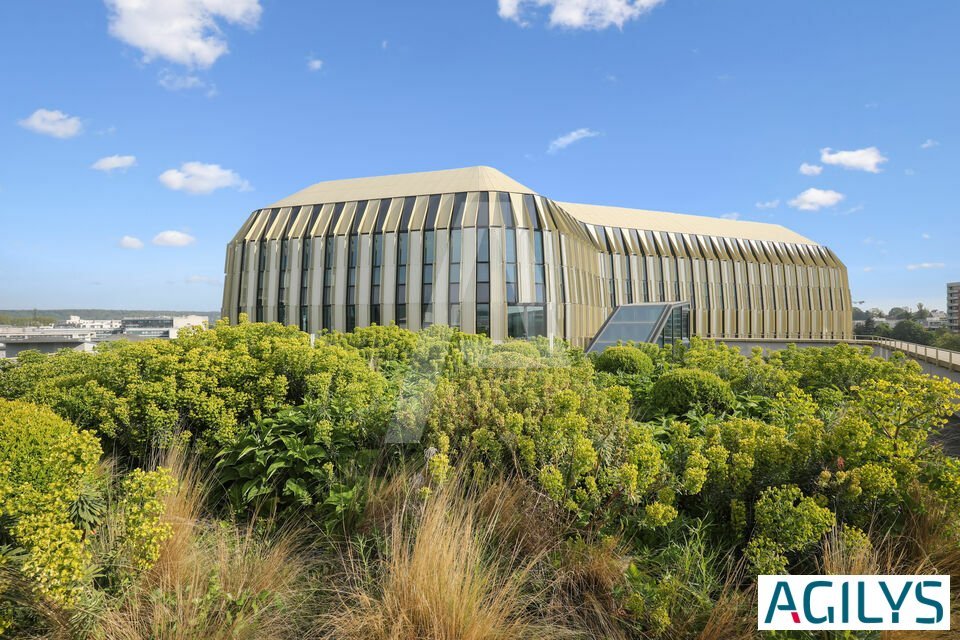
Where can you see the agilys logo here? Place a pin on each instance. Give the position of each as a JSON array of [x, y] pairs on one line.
[[853, 602]]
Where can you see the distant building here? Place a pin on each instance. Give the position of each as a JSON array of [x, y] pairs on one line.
[[162, 327], [953, 306], [936, 320], [83, 335], [99, 325], [11, 347]]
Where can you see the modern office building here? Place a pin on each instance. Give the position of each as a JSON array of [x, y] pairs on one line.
[[473, 248], [953, 306]]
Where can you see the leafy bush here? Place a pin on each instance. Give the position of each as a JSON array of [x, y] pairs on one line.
[[627, 360], [842, 367], [681, 390], [293, 462], [203, 386], [382, 346]]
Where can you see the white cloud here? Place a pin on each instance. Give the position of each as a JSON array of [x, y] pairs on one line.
[[925, 265], [204, 280], [909, 172], [868, 269], [313, 64], [186, 32], [199, 177], [52, 123], [768, 204], [868, 159], [129, 242], [872, 105], [384, 44], [874, 241], [810, 169], [816, 199], [733, 215], [568, 139], [930, 143], [111, 163], [179, 81], [173, 239], [579, 14], [925, 236]]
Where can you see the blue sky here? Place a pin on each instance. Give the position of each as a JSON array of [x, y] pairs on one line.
[[168, 121]]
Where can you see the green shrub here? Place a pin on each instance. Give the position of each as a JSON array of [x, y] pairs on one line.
[[201, 387], [842, 367], [383, 346], [293, 462], [515, 414], [625, 360], [680, 390], [521, 347], [755, 375]]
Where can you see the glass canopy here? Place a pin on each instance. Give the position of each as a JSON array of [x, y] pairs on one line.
[[659, 322]]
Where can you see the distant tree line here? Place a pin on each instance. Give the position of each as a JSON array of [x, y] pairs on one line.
[[907, 329], [25, 321], [31, 317]]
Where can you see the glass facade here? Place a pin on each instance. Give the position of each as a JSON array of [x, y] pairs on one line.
[[511, 272], [428, 259], [403, 251], [377, 262], [526, 321], [483, 265], [353, 255], [306, 263], [456, 255], [284, 282], [261, 279]]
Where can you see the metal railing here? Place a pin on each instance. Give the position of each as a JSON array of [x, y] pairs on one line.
[[945, 358]]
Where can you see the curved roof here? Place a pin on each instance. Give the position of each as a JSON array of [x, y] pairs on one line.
[[405, 184], [681, 223], [489, 179]]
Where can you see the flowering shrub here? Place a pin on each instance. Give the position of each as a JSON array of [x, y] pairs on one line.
[[788, 521], [142, 506], [44, 461]]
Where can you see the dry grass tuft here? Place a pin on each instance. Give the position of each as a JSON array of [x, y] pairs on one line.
[[582, 587], [212, 580], [443, 575], [521, 517], [734, 615]]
